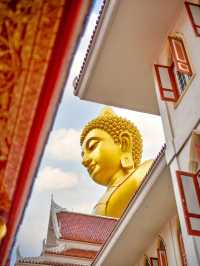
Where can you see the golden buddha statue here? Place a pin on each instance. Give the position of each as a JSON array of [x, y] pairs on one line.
[[111, 152]]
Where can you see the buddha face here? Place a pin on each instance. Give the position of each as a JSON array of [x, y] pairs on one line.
[[101, 156]]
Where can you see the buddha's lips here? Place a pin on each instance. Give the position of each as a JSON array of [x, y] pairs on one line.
[[91, 168]]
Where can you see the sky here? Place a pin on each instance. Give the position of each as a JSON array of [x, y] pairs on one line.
[[60, 172]]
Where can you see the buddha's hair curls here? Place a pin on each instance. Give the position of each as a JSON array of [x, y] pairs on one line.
[[114, 125]]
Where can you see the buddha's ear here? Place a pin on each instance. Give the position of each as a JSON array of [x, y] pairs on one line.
[[126, 148], [126, 141]]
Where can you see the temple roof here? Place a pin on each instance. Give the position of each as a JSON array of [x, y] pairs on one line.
[[74, 226], [74, 252], [85, 228], [69, 226], [39, 261]]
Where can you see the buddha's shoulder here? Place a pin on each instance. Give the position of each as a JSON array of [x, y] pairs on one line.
[[141, 171], [143, 168]]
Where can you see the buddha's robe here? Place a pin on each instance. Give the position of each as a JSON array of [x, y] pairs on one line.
[[116, 198]]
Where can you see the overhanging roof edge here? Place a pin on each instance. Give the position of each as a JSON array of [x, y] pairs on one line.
[[104, 19]]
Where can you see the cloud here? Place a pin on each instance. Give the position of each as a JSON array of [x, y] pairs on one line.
[[52, 179], [64, 144]]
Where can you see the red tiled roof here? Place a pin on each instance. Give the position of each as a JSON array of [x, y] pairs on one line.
[[73, 252], [35, 261], [85, 228]]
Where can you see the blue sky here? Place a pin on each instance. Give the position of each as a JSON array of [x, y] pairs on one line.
[[61, 172]]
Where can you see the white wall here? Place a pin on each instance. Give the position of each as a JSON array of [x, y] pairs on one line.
[[169, 235], [184, 115], [179, 120]]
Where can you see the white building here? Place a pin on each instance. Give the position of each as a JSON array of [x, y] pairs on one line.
[[145, 56]]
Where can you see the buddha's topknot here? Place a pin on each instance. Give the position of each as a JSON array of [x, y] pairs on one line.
[[114, 125]]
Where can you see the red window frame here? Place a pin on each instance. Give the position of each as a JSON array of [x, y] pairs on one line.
[[195, 26], [152, 260], [182, 65], [179, 54], [173, 89], [187, 213]]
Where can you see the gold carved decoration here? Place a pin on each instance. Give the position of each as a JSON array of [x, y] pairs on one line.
[[28, 31]]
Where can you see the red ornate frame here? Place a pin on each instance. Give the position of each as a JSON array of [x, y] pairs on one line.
[[51, 90]]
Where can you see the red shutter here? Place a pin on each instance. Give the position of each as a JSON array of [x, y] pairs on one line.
[[193, 11], [179, 54], [197, 146], [189, 187], [167, 83], [162, 257]]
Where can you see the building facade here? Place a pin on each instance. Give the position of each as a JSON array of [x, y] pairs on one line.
[[145, 58]]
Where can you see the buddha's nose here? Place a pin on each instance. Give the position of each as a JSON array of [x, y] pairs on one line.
[[86, 161]]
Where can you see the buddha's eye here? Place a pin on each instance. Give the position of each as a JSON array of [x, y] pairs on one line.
[[92, 144]]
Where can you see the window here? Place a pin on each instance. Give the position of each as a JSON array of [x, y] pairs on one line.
[[182, 80], [181, 246], [167, 83], [162, 255], [189, 189], [173, 80], [154, 261], [193, 11]]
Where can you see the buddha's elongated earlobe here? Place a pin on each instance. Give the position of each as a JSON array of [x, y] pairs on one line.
[[126, 148], [127, 161]]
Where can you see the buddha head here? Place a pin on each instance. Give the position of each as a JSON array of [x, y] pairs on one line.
[[110, 144]]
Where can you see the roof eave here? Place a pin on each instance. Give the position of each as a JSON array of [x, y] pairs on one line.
[[105, 18]]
